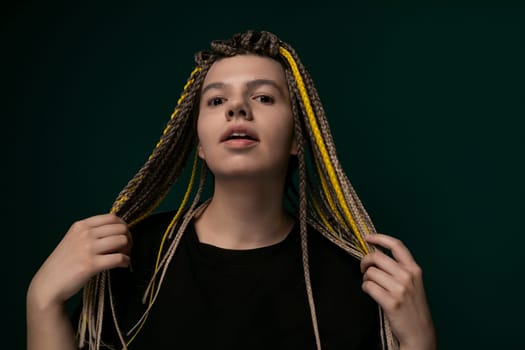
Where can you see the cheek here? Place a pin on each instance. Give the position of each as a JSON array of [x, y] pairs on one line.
[[208, 133], [287, 136], [202, 137]]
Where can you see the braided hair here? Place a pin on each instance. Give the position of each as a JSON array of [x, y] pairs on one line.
[[321, 194]]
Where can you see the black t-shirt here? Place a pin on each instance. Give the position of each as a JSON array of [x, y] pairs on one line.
[[214, 298]]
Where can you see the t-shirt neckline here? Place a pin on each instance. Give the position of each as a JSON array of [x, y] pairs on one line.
[[216, 254]]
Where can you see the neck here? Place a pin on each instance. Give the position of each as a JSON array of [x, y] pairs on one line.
[[244, 215]]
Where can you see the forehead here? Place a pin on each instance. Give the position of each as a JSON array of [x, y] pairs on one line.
[[244, 68]]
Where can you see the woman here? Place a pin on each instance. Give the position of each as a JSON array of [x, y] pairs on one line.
[[259, 264]]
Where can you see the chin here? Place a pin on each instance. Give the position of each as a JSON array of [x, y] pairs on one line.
[[246, 170], [238, 173]]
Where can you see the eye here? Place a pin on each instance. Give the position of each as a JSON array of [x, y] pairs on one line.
[[265, 99], [215, 101]]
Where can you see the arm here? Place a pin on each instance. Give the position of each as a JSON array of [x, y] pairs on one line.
[[90, 246], [397, 286]]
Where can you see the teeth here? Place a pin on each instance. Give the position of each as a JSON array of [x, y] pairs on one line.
[[240, 135]]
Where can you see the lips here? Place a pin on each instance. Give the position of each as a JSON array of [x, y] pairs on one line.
[[239, 133]]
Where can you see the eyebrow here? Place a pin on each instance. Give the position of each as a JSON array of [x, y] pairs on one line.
[[252, 84]]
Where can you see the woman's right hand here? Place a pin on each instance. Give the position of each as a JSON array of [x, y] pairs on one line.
[[90, 246]]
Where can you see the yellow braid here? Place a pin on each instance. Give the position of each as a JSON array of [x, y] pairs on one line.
[[323, 218], [319, 141], [328, 195], [118, 204]]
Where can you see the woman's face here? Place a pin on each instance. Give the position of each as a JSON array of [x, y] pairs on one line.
[[245, 122]]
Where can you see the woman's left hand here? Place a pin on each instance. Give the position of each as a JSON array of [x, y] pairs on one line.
[[396, 284]]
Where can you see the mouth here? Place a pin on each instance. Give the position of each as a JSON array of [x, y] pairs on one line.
[[241, 134]]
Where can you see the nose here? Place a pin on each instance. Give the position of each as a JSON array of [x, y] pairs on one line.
[[238, 110]]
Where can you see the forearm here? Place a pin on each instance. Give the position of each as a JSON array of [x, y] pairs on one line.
[[48, 326], [429, 342], [90, 246]]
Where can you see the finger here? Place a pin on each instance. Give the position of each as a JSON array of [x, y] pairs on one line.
[[379, 294], [383, 262], [111, 244], [110, 261], [103, 219], [110, 230], [384, 280], [398, 249]]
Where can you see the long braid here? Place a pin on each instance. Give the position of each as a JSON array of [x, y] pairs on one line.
[[363, 218], [162, 167], [145, 190], [327, 160], [330, 169], [323, 200], [162, 266], [363, 221], [303, 214]]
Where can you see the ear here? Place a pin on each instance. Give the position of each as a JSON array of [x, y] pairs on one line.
[[200, 151]]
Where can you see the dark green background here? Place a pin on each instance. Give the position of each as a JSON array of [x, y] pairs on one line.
[[425, 102]]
